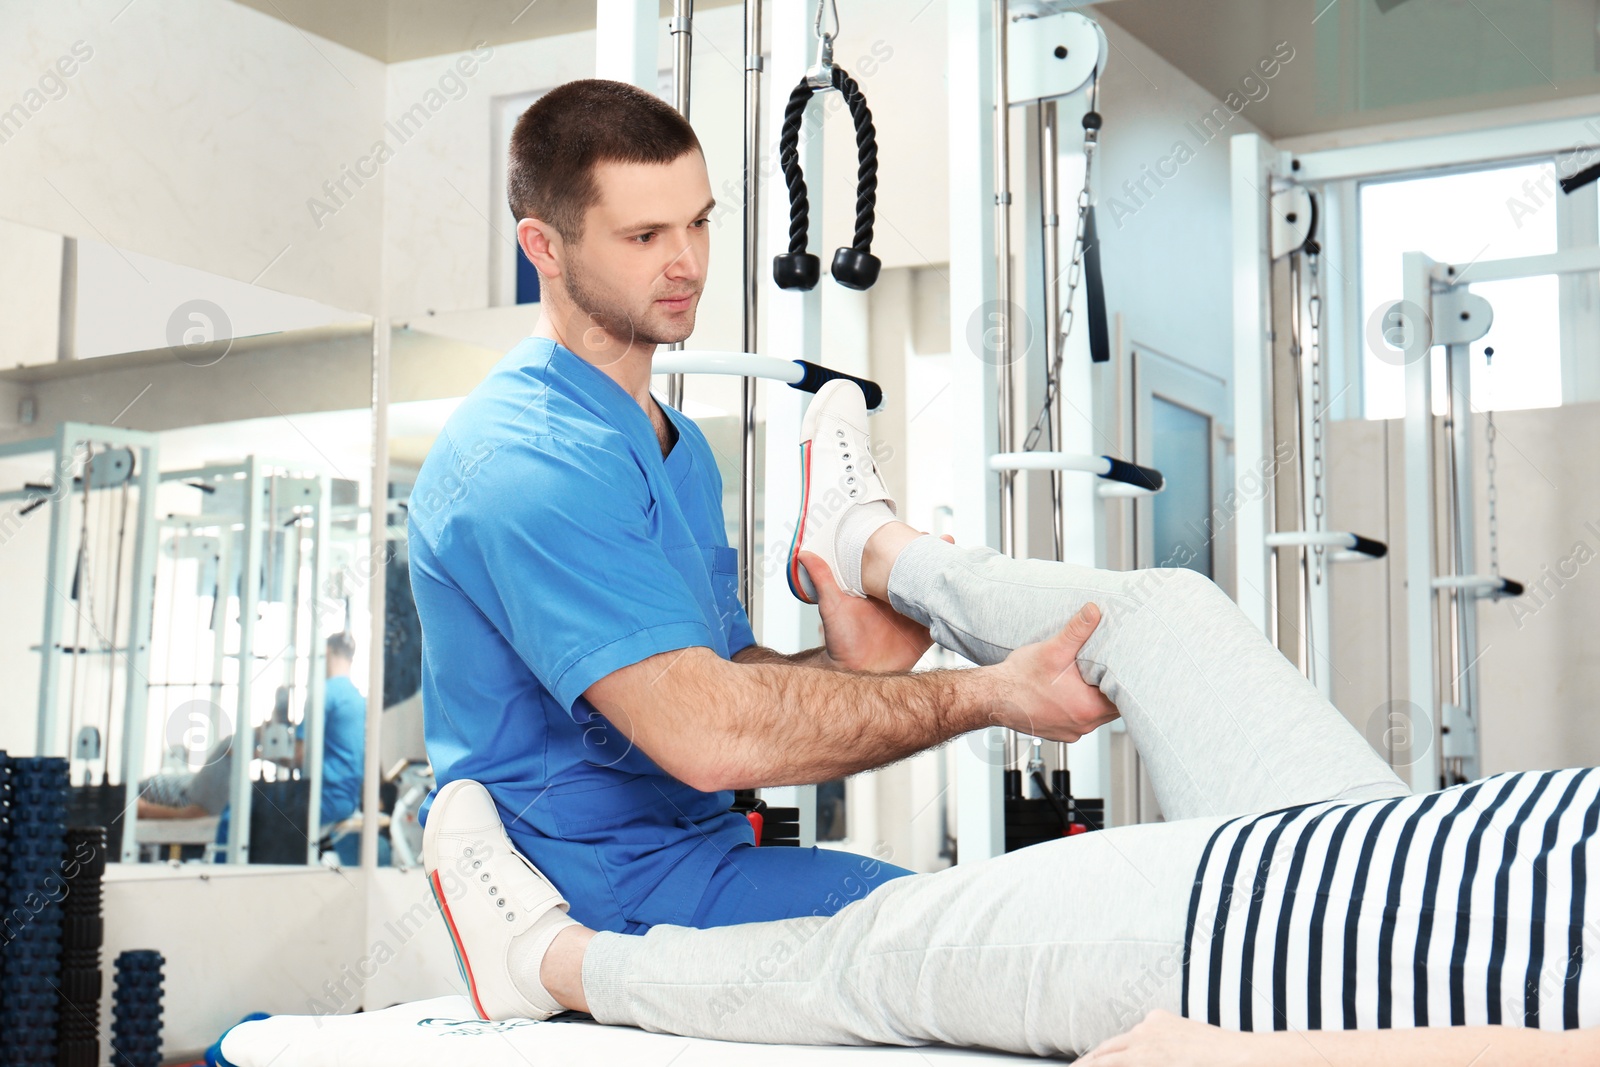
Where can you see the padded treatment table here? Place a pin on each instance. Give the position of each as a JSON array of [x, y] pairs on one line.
[[428, 1033]]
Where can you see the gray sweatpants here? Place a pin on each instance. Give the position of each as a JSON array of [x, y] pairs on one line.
[[1052, 948]]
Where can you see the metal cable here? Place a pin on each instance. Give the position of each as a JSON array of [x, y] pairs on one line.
[[1068, 313]]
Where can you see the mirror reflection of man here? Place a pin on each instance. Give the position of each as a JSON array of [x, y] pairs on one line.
[[344, 717], [344, 733]]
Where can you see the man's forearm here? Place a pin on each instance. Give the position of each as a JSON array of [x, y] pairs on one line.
[[718, 724], [801, 724], [811, 657]]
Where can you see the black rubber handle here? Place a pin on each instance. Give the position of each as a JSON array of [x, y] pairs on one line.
[[816, 375], [1368, 547], [1133, 474], [1510, 588], [1587, 176], [1095, 293]]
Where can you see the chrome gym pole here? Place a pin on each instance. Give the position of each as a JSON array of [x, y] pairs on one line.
[[682, 29], [752, 275]]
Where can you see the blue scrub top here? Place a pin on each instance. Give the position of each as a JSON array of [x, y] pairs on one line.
[[551, 544], [344, 740]]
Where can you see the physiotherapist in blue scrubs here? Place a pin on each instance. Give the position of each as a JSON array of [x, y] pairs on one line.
[[344, 740], [567, 533]]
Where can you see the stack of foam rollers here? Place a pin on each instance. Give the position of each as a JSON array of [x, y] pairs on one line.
[[52, 929]]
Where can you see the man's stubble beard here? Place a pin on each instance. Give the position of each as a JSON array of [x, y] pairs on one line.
[[611, 317]]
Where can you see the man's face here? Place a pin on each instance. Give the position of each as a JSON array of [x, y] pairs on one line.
[[638, 270]]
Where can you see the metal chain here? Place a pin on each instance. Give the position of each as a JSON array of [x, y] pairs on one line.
[[1318, 500], [1067, 315]]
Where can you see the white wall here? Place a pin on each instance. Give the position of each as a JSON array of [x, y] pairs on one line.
[[131, 302], [30, 296], [194, 131], [1537, 671], [24, 548], [1166, 247], [261, 939]]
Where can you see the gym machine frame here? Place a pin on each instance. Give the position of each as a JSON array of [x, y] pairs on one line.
[[1439, 309], [1059, 54], [65, 445], [303, 489], [1259, 171], [1295, 238]]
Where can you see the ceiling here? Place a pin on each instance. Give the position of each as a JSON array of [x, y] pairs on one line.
[[398, 30], [1354, 62], [1363, 62]]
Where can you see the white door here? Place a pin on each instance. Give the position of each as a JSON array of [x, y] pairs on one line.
[[1181, 428]]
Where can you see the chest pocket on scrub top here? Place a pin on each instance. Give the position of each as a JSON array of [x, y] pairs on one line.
[[723, 566]]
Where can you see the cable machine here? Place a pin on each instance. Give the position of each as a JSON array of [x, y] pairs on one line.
[[97, 594], [1442, 597], [249, 535], [1432, 732], [1041, 58], [1301, 418]]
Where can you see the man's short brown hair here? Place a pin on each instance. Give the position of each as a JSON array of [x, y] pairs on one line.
[[342, 644], [567, 132]]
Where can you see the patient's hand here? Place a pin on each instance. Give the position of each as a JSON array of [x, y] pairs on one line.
[[1042, 692], [864, 635], [1166, 1040]]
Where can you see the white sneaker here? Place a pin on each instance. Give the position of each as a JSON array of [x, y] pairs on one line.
[[837, 472], [488, 893]]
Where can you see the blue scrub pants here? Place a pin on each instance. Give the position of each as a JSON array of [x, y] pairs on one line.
[[782, 882]]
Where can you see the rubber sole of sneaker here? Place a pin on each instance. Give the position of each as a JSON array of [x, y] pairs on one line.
[[455, 943], [430, 861], [797, 579]]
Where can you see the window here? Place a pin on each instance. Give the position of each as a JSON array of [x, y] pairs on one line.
[[1497, 213]]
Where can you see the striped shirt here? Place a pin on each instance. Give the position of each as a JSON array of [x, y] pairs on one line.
[[1474, 905]]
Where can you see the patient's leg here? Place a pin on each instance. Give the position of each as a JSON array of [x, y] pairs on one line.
[[1224, 723], [1046, 950]]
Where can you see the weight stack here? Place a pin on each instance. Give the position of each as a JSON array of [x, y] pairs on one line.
[[779, 826], [136, 1010], [1035, 820], [36, 812], [83, 934]]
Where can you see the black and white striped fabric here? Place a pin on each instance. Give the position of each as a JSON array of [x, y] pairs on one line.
[[1475, 905]]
